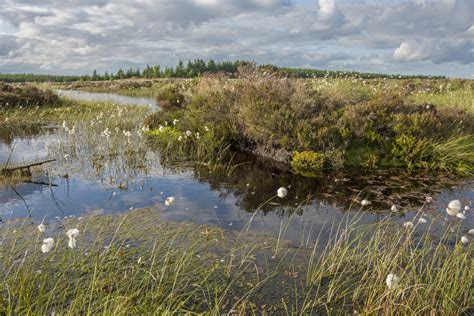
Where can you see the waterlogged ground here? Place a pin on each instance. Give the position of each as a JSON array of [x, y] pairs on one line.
[[103, 167]]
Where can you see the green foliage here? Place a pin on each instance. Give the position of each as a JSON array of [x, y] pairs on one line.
[[276, 116], [170, 96], [414, 152], [36, 78], [308, 163]]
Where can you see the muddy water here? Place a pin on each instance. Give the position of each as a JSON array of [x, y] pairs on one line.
[[215, 198]]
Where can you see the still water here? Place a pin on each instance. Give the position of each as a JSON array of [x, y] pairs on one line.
[[72, 187]]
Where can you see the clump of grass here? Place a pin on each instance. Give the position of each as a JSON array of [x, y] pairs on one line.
[[135, 262], [14, 96], [68, 110]]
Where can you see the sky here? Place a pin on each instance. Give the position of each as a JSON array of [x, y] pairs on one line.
[[430, 37]]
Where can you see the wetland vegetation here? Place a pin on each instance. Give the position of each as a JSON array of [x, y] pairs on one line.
[[368, 168]]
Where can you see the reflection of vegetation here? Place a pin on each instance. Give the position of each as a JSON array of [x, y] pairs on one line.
[[357, 126], [134, 263]]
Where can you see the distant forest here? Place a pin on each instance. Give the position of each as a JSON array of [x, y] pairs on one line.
[[197, 68]]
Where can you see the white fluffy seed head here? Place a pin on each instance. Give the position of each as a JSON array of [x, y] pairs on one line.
[[394, 208], [408, 225], [365, 202], [72, 243], [464, 240], [471, 231], [454, 207], [41, 228], [169, 200], [47, 245], [72, 233], [392, 281], [282, 192], [461, 216]]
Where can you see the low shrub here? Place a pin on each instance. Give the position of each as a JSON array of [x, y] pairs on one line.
[[271, 115], [170, 96], [12, 96]]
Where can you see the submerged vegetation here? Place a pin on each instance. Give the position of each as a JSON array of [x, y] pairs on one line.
[[317, 126]]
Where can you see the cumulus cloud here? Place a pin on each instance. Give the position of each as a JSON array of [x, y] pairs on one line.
[[438, 51], [80, 35]]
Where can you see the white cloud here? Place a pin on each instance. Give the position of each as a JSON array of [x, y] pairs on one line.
[[80, 35]]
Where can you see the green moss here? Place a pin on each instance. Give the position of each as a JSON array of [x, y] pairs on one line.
[[308, 163]]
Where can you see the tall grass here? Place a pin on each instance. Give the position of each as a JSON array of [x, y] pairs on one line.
[[135, 263]]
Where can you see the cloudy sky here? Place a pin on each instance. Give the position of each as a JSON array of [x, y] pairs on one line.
[[394, 36]]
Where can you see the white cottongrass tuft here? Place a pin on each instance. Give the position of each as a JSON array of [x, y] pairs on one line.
[[169, 200], [72, 234], [454, 207], [47, 245], [466, 208], [392, 281], [464, 240], [282, 192], [394, 208], [365, 202], [408, 225], [461, 216], [41, 228], [422, 220]]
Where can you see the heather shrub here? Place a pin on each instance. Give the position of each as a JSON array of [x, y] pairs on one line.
[[26, 96]]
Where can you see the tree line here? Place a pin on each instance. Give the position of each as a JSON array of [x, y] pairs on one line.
[[197, 68]]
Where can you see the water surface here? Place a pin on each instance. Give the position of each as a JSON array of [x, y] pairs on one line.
[[97, 184]]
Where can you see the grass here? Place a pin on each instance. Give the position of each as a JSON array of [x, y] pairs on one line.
[[135, 263]]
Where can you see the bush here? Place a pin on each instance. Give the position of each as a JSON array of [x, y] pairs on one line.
[[26, 96], [170, 96], [275, 117]]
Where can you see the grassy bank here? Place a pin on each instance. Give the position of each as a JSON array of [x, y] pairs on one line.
[[319, 125], [134, 263]]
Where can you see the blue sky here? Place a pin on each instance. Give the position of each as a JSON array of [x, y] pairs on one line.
[[77, 36]]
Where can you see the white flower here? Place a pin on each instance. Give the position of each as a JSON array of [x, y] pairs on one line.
[[408, 225], [394, 208], [72, 233], [429, 199], [453, 208], [72, 243], [175, 121], [197, 135], [461, 216], [471, 231], [206, 128], [188, 133], [282, 192], [464, 240], [422, 220], [169, 201], [41, 228], [392, 281], [161, 129], [47, 245], [365, 202], [180, 138]]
